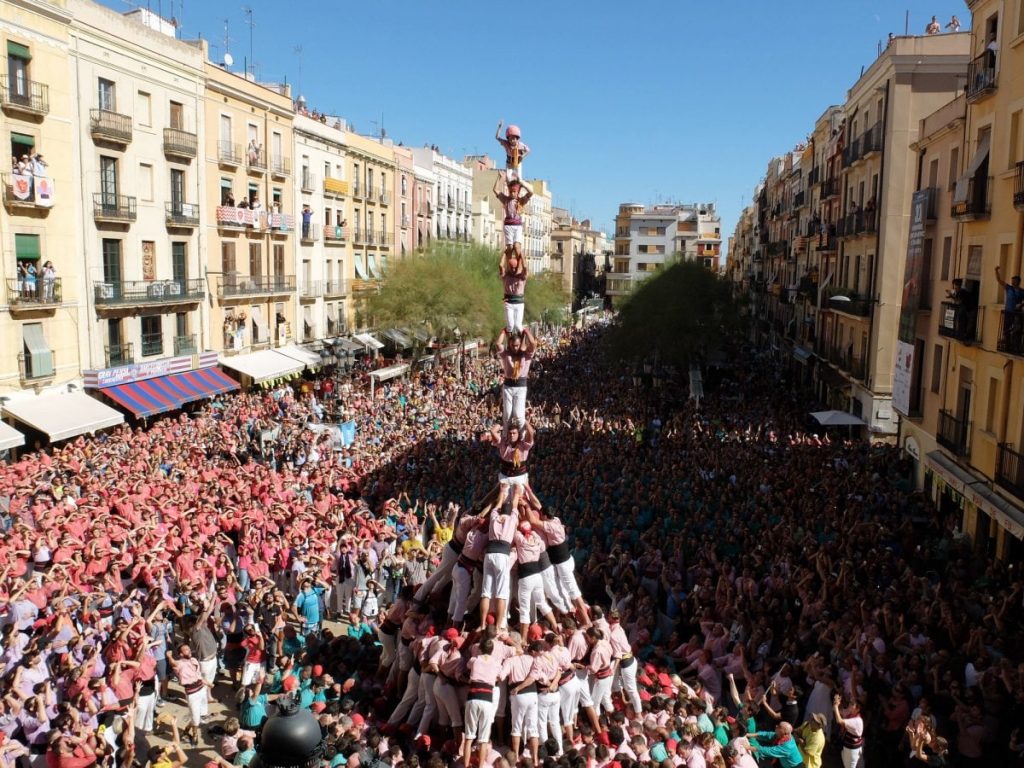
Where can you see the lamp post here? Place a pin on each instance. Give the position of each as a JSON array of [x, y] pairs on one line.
[[292, 738]]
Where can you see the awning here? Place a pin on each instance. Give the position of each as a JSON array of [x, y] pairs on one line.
[[1008, 515], [65, 415], [371, 266], [980, 156], [18, 50], [39, 352], [955, 476], [168, 393], [347, 345], [360, 269], [263, 365], [305, 356], [10, 437], [368, 341], [417, 333], [397, 338], [26, 247], [837, 419], [391, 372]]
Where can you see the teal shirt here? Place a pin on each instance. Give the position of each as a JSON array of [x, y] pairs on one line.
[[787, 752], [253, 711], [244, 758]]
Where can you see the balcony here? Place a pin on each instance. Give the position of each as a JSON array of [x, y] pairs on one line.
[[959, 322], [310, 232], [1010, 470], [370, 195], [357, 190], [307, 182], [871, 140], [148, 292], [25, 96], [847, 227], [931, 203], [336, 235], [798, 199], [335, 187], [978, 204], [827, 243], [954, 434], [335, 288], [27, 192], [384, 198], [981, 77], [311, 290], [27, 373], [829, 188], [231, 286], [807, 287], [358, 236], [857, 368], [255, 161], [229, 154], [43, 295], [1011, 333], [113, 127], [369, 237], [405, 220], [384, 238], [118, 354], [152, 344], [1018, 188], [851, 154], [850, 305], [814, 177], [280, 167], [182, 215], [179, 143], [185, 345], [113, 209]]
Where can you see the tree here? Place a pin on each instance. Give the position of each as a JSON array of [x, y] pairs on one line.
[[681, 314], [450, 288]]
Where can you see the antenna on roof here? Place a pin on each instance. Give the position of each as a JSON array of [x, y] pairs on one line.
[[252, 24]]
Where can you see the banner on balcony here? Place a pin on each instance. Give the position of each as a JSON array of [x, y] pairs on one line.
[[903, 372], [238, 217], [21, 186]]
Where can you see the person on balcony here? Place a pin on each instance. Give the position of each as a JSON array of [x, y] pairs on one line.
[[255, 152], [49, 280], [1013, 301], [933, 27], [307, 219]]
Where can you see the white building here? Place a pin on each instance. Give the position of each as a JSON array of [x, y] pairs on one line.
[[537, 226], [453, 193]]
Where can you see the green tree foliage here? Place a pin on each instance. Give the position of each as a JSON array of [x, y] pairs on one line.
[[456, 287], [682, 313]]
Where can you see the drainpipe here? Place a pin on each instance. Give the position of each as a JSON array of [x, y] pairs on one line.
[[85, 220]]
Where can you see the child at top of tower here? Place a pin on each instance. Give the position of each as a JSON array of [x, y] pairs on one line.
[[515, 151]]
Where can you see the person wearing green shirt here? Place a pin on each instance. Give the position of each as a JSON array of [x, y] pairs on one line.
[[783, 748]]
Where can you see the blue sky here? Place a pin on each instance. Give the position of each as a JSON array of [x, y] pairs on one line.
[[627, 101]]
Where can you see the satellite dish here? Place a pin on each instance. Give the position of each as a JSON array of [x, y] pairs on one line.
[[228, 59]]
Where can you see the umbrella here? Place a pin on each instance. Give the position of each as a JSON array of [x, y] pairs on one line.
[[837, 419]]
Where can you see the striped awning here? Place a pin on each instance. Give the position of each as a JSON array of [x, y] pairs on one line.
[[167, 393]]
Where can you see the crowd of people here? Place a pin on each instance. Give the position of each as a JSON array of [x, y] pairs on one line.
[[736, 590]]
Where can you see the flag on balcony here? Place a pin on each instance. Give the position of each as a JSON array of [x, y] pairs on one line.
[[238, 217], [21, 186], [44, 192]]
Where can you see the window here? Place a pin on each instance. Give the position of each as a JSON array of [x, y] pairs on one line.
[[227, 258], [255, 260], [144, 109], [954, 166], [1014, 152], [152, 336], [947, 254], [405, 183], [108, 180], [23, 147], [225, 129], [992, 406], [145, 181], [327, 217], [275, 147], [181, 325], [275, 197], [176, 115], [179, 261], [279, 268], [18, 58], [106, 95], [1020, 18], [111, 261], [37, 353], [327, 170], [933, 172], [227, 197], [937, 369]]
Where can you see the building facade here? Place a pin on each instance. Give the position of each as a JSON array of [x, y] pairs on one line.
[[537, 226], [250, 246], [453, 194]]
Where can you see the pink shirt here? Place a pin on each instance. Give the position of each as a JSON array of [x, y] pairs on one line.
[[617, 640], [484, 669], [577, 646], [518, 453], [502, 527], [516, 668], [476, 545], [600, 656], [546, 668], [513, 215], [452, 665], [562, 657], [552, 530], [529, 547]]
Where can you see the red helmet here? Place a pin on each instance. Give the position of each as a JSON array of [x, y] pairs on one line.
[[513, 130]]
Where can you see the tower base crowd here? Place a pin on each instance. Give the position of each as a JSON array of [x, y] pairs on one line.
[[665, 586]]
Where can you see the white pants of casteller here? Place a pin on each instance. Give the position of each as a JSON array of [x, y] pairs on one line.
[[387, 644], [441, 575], [144, 708], [571, 698], [466, 585], [496, 576], [549, 721], [853, 758], [513, 405], [551, 591], [479, 719], [514, 316], [625, 680], [531, 593], [449, 708], [565, 576], [412, 689], [524, 714], [426, 705], [601, 693]]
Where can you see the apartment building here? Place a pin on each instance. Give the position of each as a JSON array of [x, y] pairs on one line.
[[405, 183], [453, 193], [323, 208], [649, 237], [41, 316], [424, 184], [537, 226], [961, 357], [487, 215], [250, 238]]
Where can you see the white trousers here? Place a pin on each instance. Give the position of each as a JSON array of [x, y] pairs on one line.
[[625, 680], [601, 693], [853, 758], [412, 690], [467, 583], [449, 707], [387, 644], [551, 591], [197, 706], [549, 721], [441, 574], [565, 577], [524, 714], [479, 719], [514, 316], [569, 696], [531, 593], [144, 708], [251, 672], [513, 405], [426, 705], [496, 576]]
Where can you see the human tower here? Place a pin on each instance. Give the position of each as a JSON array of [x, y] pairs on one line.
[[510, 545]]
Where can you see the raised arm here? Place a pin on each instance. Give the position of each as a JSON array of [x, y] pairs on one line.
[[531, 342], [497, 133]]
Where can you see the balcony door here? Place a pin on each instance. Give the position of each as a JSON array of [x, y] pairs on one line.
[[112, 264], [108, 181], [177, 116], [17, 72], [177, 190], [106, 95], [179, 262]]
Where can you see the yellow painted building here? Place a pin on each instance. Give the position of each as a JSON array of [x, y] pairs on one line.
[[40, 316], [967, 431], [250, 236]]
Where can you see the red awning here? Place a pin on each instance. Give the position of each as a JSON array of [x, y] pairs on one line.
[[167, 393]]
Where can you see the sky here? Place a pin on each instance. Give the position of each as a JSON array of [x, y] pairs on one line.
[[651, 101]]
